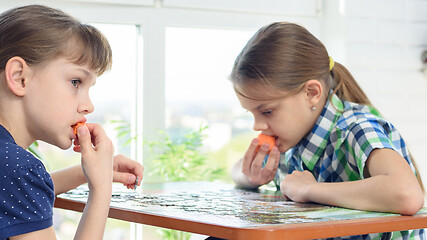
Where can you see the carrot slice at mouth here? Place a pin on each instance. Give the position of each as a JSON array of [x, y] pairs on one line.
[[77, 126], [266, 139]]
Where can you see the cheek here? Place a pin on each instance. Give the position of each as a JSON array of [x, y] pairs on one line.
[[290, 129], [60, 109]]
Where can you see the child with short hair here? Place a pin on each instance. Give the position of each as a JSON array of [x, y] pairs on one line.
[[48, 62], [332, 146]]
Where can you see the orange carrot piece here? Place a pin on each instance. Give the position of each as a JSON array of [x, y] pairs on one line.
[[266, 139], [77, 126]]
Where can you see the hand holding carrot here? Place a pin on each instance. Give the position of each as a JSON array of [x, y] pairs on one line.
[[97, 154], [253, 159], [125, 170]]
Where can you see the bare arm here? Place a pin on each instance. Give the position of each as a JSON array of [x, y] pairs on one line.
[[92, 223], [67, 179], [97, 164], [390, 187], [125, 171]]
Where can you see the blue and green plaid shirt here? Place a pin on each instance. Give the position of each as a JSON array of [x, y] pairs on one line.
[[338, 146]]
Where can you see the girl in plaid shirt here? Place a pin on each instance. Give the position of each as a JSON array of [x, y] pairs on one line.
[[332, 146]]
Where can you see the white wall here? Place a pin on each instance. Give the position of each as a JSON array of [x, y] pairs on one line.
[[384, 40]]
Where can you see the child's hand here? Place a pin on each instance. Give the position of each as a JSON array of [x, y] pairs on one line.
[[295, 186], [97, 155], [126, 170], [252, 163]]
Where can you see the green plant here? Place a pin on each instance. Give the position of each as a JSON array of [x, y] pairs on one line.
[[123, 130], [34, 149], [179, 159], [169, 234], [182, 159]]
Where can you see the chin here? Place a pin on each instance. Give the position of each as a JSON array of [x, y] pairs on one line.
[[64, 148], [64, 145]]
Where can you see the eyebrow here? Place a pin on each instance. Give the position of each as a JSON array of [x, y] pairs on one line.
[[261, 106], [267, 105], [86, 72]]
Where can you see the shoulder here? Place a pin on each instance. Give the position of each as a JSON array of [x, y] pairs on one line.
[[363, 128], [357, 117], [13, 157], [26, 191], [353, 112], [21, 171], [19, 167]]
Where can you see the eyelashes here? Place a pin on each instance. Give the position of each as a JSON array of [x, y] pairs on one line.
[[267, 113], [76, 82]]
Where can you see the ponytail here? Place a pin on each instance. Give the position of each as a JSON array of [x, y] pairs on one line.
[[345, 87]]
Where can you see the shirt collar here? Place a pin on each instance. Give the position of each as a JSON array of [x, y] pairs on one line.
[[5, 135], [312, 146]]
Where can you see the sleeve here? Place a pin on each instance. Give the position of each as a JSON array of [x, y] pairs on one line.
[[365, 136], [27, 198]]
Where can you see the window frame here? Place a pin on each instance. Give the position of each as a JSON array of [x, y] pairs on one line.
[[152, 22], [153, 18]]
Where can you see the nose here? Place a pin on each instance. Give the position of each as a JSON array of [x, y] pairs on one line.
[[86, 106], [259, 125]]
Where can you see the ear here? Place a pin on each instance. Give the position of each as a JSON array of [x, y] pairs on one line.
[[314, 91], [15, 71]]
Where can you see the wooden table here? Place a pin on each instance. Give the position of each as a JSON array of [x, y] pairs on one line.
[[220, 210]]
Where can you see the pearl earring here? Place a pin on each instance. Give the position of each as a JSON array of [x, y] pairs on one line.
[[313, 108]]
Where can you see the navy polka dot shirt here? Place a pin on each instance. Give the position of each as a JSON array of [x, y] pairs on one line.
[[26, 190]]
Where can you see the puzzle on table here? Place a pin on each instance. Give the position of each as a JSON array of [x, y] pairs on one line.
[[221, 204]]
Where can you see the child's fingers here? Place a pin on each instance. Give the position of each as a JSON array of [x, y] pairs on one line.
[[77, 149], [126, 165], [138, 170], [97, 155], [272, 164], [98, 138], [256, 167], [84, 138], [98, 133], [77, 126], [125, 178], [76, 143], [249, 157]]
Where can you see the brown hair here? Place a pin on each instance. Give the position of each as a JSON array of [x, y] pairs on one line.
[[284, 56], [38, 33]]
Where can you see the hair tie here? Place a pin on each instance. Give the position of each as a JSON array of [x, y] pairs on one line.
[[331, 63]]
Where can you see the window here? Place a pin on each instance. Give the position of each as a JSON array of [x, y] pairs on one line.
[[198, 92], [114, 99]]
